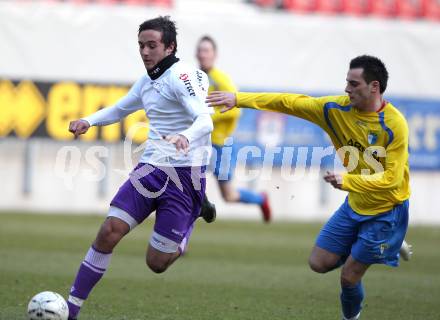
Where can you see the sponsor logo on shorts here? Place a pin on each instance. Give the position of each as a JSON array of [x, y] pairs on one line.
[[185, 78], [161, 243], [177, 232], [383, 247]]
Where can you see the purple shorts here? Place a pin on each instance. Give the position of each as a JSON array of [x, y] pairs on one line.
[[175, 193]]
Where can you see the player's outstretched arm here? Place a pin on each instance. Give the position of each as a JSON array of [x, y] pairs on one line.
[[79, 127], [222, 98], [128, 104], [298, 105]]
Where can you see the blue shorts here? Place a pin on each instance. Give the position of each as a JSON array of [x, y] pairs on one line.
[[223, 161], [369, 239]]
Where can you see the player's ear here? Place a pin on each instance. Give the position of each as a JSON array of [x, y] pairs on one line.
[[375, 86], [170, 48]]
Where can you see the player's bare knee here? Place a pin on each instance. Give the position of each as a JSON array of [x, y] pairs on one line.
[[110, 233], [317, 266], [156, 268], [156, 265]]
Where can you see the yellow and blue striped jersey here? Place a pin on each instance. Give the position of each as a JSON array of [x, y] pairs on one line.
[[224, 123], [369, 194]]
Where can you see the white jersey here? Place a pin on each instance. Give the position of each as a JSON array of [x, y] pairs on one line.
[[174, 104]]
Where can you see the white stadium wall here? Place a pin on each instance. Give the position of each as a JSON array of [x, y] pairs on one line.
[[259, 49]]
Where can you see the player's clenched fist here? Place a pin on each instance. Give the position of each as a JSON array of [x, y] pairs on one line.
[[78, 127], [222, 98], [334, 179]]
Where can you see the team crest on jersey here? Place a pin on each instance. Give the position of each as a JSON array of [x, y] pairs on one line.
[[372, 137]]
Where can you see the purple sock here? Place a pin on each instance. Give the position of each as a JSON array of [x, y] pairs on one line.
[[90, 272]]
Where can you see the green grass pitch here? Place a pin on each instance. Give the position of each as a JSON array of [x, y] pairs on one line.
[[234, 270]]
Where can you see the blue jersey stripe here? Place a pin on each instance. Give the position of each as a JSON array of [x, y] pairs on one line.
[[334, 105], [388, 130]]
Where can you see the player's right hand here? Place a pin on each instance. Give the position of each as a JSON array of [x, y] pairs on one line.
[[180, 141], [78, 127], [221, 98]]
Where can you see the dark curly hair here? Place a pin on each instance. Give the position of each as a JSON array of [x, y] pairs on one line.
[[374, 70], [164, 25]]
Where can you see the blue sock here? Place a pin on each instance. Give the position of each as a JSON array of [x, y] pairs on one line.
[[248, 196], [351, 300]]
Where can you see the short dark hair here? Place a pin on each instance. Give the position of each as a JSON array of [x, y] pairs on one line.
[[165, 25], [374, 70], [209, 39]]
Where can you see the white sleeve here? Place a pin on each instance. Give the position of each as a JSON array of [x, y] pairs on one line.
[[191, 89], [130, 103], [201, 126]]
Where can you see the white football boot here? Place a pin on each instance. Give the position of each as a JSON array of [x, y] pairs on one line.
[[406, 251], [356, 317]]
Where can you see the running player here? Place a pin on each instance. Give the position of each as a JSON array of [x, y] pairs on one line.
[[224, 126], [371, 137], [169, 178]]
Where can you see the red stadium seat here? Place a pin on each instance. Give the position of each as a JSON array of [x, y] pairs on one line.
[[409, 9], [164, 3], [80, 1], [301, 6], [330, 6], [265, 3], [106, 1], [384, 8], [357, 7], [431, 9]]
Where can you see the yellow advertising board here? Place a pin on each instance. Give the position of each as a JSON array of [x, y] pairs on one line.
[[38, 108]]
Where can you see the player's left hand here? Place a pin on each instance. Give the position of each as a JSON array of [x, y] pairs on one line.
[[180, 141], [334, 179], [221, 98]]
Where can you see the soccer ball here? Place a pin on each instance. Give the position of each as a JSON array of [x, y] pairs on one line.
[[48, 305]]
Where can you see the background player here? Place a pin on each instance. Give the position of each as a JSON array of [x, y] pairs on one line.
[[170, 183], [224, 126], [370, 226]]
